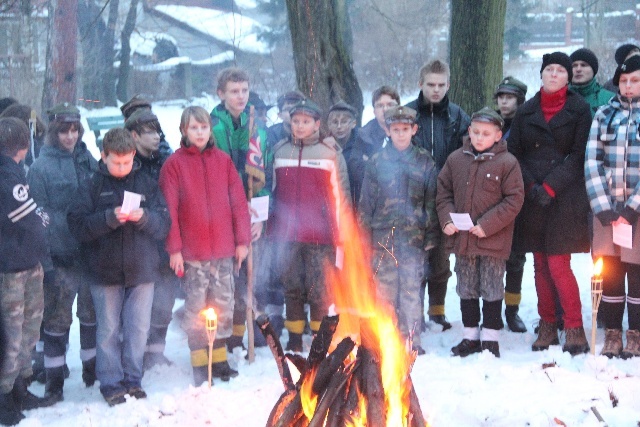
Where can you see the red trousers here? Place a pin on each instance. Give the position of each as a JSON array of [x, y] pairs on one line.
[[553, 276]]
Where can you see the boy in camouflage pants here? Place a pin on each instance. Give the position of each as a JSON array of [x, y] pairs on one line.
[[22, 246], [397, 207]]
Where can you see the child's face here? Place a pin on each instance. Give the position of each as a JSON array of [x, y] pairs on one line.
[[483, 135], [119, 165], [198, 133], [69, 138], [235, 97], [434, 87], [340, 124], [147, 141], [401, 133], [507, 104], [630, 84], [381, 105], [303, 126]]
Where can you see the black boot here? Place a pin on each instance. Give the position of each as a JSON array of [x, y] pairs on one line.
[[223, 371], [10, 415], [514, 321], [89, 372], [295, 343], [441, 320], [39, 373], [24, 399], [200, 375], [55, 383]]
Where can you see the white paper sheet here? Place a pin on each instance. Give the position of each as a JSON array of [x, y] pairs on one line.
[[130, 202], [260, 205], [623, 235], [462, 221]]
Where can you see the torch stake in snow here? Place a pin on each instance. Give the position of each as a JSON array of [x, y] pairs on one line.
[[596, 297], [211, 327]]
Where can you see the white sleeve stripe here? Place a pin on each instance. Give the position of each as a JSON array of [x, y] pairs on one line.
[[24, 213], [22, 207]]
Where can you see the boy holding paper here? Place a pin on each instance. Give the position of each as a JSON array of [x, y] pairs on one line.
[[481, 179], [122, 248], [613, 185]]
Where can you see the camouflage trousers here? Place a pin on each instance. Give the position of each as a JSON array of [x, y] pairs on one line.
[[260, 259], [480, 277], [304, 278], [207, 284], [59, 298], [22, 305], [399, 275]]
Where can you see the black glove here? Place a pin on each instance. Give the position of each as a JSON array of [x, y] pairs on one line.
[[607, 217], [629, 214], [541, 196]]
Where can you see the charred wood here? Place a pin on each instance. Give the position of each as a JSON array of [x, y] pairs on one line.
[[372, 389], [415, 411], [322, 341], [278, 409], [276, 349], [333, 390], [331, 364]]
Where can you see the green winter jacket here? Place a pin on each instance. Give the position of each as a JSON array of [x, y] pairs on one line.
[[594, 94], [235, 142]]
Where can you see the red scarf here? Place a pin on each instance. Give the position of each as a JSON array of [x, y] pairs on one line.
[[551, 103]]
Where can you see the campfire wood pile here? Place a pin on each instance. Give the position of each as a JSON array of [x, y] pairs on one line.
[[336, 389]]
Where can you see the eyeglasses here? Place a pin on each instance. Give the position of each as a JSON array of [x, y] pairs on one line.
[[385, 106]]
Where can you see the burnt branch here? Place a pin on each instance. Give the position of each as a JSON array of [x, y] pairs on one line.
[[276, 349]]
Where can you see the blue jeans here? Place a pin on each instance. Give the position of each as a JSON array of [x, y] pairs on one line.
[[122, 312]]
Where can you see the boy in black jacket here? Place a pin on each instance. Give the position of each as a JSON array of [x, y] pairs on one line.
[[22, 246], [122, 245]]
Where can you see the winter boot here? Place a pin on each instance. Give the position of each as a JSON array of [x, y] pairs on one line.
[[466, 348], [89, 372], [223, 371], [200, 375], [576, 341], [234, 341], [277, 323], [492, 346], [10, 415], [632, 349], [39, 373], [295, 343], [24, 399], [612, 343], [441, 320], [55, 383], [547, 335], [514, 321]]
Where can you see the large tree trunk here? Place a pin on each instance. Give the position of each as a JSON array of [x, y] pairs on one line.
[[476, 48], [60, 74], [122, 89], [321, 38]]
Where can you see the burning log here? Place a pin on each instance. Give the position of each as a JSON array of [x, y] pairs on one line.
[[372, 389], [322, 341], [331, 364], [416, 418], [336, 385], [276, 349]]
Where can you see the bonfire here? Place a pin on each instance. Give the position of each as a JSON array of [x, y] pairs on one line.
[[358, 369]]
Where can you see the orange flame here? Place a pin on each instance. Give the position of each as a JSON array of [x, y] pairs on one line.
[[597, 269], [308, 398], [354, 292], [359, 418]]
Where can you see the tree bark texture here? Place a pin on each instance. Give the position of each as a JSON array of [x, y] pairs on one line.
[[122, 88], [476, 49], [60, 73], [322, 40]]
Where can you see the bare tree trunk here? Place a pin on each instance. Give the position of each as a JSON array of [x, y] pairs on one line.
[[476, 49], [321, 38], [109, 83], [60, 74], [122, 88]]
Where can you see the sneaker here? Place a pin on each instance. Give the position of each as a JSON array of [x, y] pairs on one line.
[[116, 398], [632, 349], [612, 343], [223, 371], [492, 346], [137, 392], [466, 347], [441, 320], [547, 336], [576, 341]]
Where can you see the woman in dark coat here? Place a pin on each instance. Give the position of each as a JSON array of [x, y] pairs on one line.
[[548, 137]]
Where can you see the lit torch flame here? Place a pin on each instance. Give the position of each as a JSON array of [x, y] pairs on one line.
[[597, 269]]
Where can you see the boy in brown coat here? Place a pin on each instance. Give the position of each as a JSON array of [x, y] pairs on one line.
[[484, 180]]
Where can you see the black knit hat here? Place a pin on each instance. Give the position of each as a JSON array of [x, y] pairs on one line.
[[308, 107], [629, 66], [559, 58], [587, 56], [623, 51]]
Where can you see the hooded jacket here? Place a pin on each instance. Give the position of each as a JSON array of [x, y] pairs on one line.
[[207, 204], [120, 254]]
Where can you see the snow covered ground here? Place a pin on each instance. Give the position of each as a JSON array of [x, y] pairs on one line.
[[480, 390]]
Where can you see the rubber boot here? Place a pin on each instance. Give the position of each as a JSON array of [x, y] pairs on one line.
[[55, 383], [89, 372], [514, 321]]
